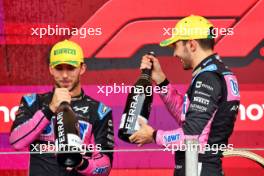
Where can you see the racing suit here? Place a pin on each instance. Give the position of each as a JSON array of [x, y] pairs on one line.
[[33, 127], [206, 112]]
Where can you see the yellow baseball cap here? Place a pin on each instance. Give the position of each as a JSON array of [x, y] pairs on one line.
[[66, 52], [189, 28]]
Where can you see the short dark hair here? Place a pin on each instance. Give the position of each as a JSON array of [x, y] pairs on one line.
[[204, 43]]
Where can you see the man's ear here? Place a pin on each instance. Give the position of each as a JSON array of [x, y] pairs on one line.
[[193, 45], [83, 68], [51, 70]]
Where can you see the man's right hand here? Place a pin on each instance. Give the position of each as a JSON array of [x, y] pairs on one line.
[[157, 74], [60, 95]]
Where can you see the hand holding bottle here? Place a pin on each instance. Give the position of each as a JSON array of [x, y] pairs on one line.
[[60, 95], [138, 104], [149, 61]]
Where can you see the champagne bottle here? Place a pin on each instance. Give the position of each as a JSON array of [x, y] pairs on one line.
[[67, 138], [138, 105]]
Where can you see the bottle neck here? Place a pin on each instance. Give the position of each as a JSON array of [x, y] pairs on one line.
[[146, 75], [64, 106]]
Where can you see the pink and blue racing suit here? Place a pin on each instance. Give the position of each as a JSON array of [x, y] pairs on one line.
[[206, 112], [33, 128]]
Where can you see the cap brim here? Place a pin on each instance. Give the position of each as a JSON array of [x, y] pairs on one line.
[[72, 63], [168, 41]]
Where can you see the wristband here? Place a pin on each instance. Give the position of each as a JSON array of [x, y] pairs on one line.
[[84, 165], [154, 135], [164, 83]]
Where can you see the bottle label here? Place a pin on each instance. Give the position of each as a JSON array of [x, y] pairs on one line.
[[74, 140], [136, 127], [60, 128], [122, 122], [74, 143]]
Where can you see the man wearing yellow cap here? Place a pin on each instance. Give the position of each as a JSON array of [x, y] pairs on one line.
[[33, 125], [207, 111]]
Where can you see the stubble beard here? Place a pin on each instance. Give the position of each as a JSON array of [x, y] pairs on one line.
[[75, 84]]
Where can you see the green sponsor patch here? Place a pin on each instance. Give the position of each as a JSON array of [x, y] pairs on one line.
[[65, 50]]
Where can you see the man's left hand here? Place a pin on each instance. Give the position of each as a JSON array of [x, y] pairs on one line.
[[144, 135]]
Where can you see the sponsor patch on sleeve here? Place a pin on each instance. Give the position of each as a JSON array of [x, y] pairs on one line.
[[234, 87], [101, 170], [30, 98], [171, 138], [103, 110]]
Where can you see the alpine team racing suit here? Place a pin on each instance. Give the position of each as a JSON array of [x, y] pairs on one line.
[[33, 127], [207, 111]]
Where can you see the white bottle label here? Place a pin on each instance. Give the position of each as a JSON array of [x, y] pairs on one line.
[[122, 122], [74, 140], [137, 126]]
